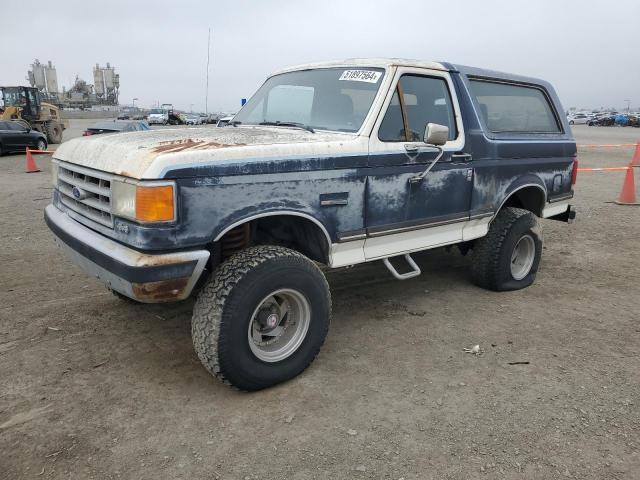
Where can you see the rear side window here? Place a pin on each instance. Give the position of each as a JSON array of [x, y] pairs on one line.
[[514, 108]]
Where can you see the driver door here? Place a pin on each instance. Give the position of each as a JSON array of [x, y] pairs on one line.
[[402, 216], [19, 135]]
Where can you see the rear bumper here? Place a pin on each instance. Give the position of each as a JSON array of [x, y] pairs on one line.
[[563, 212], [148, 278]]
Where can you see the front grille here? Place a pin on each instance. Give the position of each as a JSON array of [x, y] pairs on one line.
[[95, 189]]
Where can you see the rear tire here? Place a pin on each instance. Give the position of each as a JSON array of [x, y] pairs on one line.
[[507, 258], [252, 295], [41, 145]]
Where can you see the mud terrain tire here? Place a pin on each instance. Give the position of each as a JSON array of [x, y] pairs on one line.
[[226, 309], [494, 255]]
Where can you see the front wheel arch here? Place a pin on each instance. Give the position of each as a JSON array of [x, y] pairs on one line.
[[294, 230]]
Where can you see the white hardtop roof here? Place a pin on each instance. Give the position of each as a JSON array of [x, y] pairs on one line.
[[367, 62]]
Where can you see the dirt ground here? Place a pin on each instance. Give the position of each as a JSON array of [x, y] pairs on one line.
[[94, 388]]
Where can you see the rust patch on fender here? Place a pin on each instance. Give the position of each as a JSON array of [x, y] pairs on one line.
[[181, 145], [162, 291]]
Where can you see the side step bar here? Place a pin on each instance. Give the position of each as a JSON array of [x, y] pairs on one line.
[[403, 276]]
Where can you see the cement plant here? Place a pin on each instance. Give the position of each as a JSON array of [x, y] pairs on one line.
[[81, 95]]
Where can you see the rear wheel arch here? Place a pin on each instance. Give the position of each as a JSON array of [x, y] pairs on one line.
[[529, 196]]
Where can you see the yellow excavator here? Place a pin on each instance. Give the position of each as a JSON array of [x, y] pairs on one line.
[[24, 104]]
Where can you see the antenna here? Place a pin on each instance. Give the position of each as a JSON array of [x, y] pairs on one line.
[[206, 97]]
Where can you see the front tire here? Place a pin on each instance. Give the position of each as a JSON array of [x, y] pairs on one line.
[[507, 258], [262, 317], [41, 145], [54, 132]]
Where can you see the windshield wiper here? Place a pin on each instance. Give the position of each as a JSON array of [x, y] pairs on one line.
[[278, 123]]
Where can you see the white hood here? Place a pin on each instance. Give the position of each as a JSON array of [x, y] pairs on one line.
[[150, 154]]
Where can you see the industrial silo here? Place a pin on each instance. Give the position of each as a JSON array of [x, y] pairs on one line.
[[51, 79], [37, 76], [98, 81]]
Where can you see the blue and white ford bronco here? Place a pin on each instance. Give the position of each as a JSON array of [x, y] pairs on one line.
[[329, 164]]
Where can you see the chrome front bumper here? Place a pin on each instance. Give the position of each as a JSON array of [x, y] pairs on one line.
[[148, 278]]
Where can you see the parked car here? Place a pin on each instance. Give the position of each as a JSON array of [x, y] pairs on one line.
[[224, 121], [15, 136], [116, 126], [602, 121], [348, 162], [158, 116], [192, 120], [578, 119]]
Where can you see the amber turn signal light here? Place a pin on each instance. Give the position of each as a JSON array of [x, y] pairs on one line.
[[155, 203]]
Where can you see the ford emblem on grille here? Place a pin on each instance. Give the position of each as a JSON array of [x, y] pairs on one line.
[[78, 193]]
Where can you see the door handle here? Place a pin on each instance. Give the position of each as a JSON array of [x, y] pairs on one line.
[[464, 157]]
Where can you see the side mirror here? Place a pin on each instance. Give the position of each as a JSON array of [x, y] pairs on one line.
[[436, 134]]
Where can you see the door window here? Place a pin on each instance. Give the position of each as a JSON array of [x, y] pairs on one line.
[[417, 101], [16, 127]]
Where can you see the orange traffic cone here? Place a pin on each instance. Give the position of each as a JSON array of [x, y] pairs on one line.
[[628, 192], [635, 161], [31, 164]]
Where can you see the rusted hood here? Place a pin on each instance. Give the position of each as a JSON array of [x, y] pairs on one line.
[[150, 154]]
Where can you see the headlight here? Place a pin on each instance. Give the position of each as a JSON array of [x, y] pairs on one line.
[[142, 202]]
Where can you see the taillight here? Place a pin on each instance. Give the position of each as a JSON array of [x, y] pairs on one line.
[[574, 172], [87, 133]]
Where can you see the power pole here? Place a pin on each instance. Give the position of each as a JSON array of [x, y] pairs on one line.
[[206, 98]]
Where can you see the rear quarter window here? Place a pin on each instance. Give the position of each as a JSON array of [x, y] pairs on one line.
[[507, 107]]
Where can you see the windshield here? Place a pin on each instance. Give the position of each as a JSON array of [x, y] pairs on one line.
[[326, 99], [156, 111], [14, 97]]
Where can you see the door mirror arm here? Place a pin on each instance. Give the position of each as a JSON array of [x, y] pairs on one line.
[[418, 178], [435, 136]]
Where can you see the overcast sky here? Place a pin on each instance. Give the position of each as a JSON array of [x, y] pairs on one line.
[[588, 50]]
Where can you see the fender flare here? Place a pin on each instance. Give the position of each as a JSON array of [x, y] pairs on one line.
[[520, 184], [274, 213]]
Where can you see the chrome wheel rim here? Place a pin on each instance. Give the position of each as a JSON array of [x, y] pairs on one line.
[[279, 325], [40, 145], [522, 257]]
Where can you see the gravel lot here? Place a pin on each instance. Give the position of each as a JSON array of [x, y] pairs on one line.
[[92, 387]]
